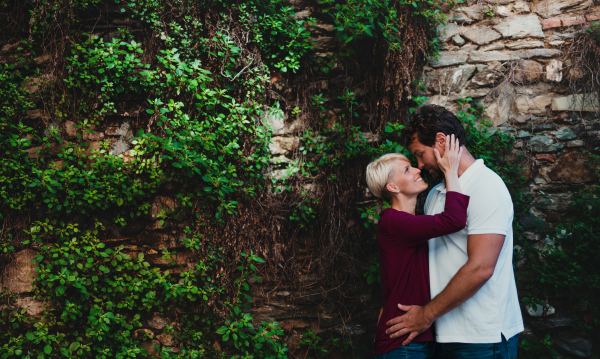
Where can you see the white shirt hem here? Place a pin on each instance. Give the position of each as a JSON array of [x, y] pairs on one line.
[[478, 340]]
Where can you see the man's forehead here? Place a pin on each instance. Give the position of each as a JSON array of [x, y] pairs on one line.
[[414, 144]]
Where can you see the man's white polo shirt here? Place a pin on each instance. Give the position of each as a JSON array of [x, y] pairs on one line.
[[494, 309]]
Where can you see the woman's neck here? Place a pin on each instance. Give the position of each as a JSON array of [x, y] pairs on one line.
[[404, 203]]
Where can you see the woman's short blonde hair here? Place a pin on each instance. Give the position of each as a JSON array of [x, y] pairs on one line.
[[378, 174]]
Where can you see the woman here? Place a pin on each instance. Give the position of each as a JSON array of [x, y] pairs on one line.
[[402, 240]]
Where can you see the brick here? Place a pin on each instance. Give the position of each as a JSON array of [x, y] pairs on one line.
[[571, 21], [546, 156], [551, 23], [593, 17]]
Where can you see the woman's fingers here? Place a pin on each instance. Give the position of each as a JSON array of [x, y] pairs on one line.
[[457, 146], [438, 158]]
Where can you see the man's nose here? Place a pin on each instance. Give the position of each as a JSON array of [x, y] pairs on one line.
[[420, 164]]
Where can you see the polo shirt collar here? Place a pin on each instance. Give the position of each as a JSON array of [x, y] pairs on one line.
[[466, 177]]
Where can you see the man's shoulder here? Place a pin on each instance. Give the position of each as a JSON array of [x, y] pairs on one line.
[[486, 188], [487, 179]]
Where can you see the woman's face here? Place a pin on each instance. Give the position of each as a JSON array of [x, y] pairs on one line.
[[406, 179]]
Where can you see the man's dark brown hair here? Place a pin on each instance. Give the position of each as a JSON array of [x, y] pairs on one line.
[[427, 121]]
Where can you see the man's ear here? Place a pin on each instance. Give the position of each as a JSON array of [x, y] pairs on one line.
[[440, 141]]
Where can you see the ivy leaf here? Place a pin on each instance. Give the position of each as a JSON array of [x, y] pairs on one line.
[[48, 349]]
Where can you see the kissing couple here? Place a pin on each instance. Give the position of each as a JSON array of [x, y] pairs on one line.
[[447, 277]]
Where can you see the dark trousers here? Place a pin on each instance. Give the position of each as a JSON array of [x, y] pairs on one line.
[[414, 350], [506, 349]]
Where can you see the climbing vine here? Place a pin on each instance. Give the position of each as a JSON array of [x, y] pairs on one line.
[[170, 103]]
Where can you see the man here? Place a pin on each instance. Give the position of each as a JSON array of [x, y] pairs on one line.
[[475, 304]]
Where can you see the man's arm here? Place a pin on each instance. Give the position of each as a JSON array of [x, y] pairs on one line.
[[483, 251]]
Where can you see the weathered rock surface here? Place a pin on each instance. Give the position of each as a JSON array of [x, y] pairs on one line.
[[447, 31], [552, 322], [544, 144], [481, 35], [518, 27], [445, 80], [527, 71], [540, 53], [554, 70], [580, 102], [449, 58], [149, 346], [554, 202], [503, 11], [283, 145], [573, 344], [324, 43], [549, 8], [564, 133], [521, 7], [488, 56], [573, 167], [525, 44], [166, 339], [457, 40], [33, 307], [487, 78], [523, 134], [18, 275], [537, 310], [536, 105], [468, 14], [492, 47]]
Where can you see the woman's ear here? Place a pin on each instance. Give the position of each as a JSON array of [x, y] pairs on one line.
[[392, 188]]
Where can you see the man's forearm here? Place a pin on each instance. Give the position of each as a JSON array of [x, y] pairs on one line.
[[467, 281]]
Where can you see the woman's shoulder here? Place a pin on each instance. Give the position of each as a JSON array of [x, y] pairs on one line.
[[393, 215]]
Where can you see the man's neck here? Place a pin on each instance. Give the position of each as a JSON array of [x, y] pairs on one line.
[[466, 161]]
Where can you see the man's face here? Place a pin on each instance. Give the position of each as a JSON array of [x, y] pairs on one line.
[[425, 156]]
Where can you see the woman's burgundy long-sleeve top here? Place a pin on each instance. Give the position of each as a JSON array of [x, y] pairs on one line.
[[402, 240]]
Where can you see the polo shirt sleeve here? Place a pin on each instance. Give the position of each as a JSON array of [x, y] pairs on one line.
[[490, 208]]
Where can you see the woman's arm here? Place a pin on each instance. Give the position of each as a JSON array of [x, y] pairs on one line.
[[411, 230]]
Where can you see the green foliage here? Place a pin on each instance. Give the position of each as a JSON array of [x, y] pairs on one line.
[[562, 265], [359, 19], [201, 135], [493, 146], [594, 30], [97, 296], [321, 348]]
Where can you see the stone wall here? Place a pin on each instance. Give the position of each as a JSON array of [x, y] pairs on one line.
[[512, 62]]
